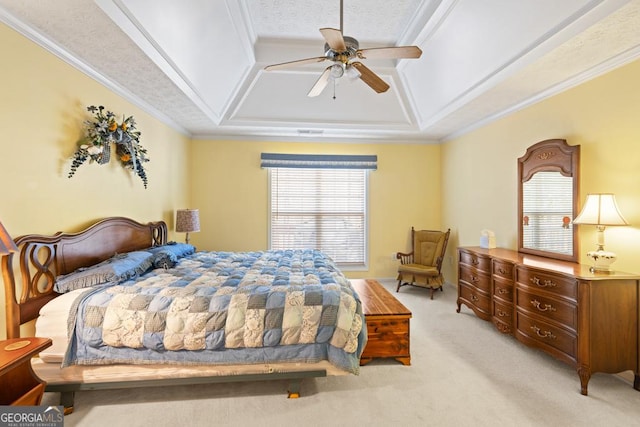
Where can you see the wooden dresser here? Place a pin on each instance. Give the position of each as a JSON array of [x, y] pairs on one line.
[[588, 320]]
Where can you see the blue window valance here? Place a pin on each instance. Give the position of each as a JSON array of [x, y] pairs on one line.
[[318, 161]]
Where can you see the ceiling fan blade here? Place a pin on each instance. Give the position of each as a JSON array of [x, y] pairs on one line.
[[390, 52], [321, 83], [294, 63], [334, 39], [370, 78]]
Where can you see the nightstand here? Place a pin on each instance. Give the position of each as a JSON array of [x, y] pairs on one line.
[[20, 385]]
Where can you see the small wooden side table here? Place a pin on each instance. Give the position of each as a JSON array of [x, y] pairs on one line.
[[20, 385]]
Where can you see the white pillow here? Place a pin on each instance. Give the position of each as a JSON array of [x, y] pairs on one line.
[[60, 304]]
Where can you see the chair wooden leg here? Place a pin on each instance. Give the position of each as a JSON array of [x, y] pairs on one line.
[[432, 292], [399, 284]]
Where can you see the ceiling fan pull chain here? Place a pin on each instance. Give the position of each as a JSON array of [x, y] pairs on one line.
[[334, 89], [341, 29]]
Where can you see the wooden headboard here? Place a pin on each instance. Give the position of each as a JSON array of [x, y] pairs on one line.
[[29, 274]]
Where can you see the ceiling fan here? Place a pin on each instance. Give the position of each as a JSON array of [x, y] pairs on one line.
[[345, 53]]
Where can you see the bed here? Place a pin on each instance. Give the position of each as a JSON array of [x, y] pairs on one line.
[[125, 308]]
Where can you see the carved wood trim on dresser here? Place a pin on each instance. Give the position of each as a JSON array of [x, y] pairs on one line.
[[588, 320]]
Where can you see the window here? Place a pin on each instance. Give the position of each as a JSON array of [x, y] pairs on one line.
[[321, 208], [547, 209]]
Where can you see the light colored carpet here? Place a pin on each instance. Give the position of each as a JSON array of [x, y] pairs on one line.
[[463, 372]]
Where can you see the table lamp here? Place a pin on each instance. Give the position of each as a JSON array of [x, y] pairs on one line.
[[601, 210], [6, 242], [187, 221]]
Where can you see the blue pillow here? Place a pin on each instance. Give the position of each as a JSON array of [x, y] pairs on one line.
[[118, 268], [167, 256]]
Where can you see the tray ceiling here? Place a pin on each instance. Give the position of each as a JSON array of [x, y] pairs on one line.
[[198, 65]]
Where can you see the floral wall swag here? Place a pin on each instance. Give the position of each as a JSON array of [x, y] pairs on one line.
[[104, 130]]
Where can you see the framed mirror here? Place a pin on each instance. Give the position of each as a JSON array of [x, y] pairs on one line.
[[548, 191]]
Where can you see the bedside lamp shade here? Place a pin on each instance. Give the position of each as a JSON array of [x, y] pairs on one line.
[[187, 221], [6, 242], [601, 210]]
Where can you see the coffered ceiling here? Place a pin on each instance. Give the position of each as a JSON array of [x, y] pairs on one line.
[[198, 65]]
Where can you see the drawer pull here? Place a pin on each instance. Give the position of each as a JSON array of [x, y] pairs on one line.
[[475, 261], [542, 307], [543, 284], [502, 313], [474, 279], [543, 334], [503, 291], [474, 298], [502, 270]]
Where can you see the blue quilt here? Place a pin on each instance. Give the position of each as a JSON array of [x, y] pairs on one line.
[[224, 308]]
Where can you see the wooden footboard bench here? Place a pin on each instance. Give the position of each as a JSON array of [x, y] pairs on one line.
[[387, 323], [110, 377]]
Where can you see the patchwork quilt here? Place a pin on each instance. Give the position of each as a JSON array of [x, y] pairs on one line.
[[224, 307]]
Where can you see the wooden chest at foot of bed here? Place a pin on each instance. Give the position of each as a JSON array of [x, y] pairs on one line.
[[387, 323]]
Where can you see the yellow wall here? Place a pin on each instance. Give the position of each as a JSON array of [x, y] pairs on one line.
[[480, 168], [467, 184], [42, 106], [231, 191]]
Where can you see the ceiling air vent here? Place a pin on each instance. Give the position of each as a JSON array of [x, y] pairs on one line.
[[310, 131]]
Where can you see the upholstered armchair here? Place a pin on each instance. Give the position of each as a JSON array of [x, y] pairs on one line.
[[421, 267]]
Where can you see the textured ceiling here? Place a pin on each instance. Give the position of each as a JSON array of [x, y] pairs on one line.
[[198, 65]]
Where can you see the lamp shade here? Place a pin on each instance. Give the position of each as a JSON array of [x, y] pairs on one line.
[[6, 242], [187, 220], [600, 209]]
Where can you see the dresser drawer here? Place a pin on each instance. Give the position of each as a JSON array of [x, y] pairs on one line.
[[503, 289], [555, 340], [503, 269], [540, 279], [549, 308], [476, 278], [503, 312], [475, 260], [481, 301]]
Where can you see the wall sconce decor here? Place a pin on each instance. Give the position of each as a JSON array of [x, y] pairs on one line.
[[102, 132], [601, 210], [187, 221]]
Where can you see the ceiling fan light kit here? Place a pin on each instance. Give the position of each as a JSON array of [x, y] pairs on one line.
[[337, 70], [345, 53], [352, 73]]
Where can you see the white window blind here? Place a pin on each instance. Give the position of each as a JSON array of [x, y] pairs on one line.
[[548, 213], [320, 208]]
